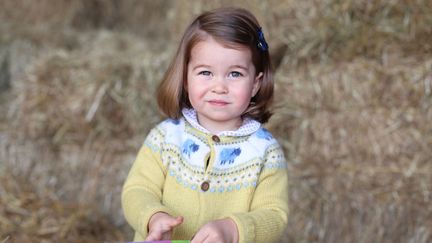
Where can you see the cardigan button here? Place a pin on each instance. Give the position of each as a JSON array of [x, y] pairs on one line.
[[205, 186], [215, 138]]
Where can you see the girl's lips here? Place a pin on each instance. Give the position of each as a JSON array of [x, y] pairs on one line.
[[218, 102]]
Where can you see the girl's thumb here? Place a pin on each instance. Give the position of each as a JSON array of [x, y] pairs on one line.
[[176, 221]]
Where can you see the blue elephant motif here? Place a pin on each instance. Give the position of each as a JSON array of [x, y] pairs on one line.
[[189, 146], [264, 134], [229, 155]]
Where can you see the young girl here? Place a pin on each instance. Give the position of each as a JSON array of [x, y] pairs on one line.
[[211, 172]]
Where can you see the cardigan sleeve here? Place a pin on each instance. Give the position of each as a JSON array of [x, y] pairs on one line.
[[142, 190], [268, 216]]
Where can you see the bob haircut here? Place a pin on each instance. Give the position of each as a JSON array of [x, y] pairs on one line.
[[233, 28]]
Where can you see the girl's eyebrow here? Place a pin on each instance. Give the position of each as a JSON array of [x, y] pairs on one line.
[[208, 66], [201, 66], [239, 66]]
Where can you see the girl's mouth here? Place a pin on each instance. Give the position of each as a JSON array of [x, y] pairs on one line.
[[218, 102]]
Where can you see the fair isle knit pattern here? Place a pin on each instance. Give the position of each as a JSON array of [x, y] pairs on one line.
[[244, 172], [238, 160]]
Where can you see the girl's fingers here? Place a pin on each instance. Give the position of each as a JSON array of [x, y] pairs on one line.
[[162, 230], [170, 224], [166, 236], [154, 235], [177, 221]]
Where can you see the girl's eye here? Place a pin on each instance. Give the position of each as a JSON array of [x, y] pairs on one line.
[[235, 74], [205, 73]]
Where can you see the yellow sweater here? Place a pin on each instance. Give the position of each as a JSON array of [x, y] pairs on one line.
[[184, 170]]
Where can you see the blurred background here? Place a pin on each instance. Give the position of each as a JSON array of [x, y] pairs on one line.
[[353, 112]]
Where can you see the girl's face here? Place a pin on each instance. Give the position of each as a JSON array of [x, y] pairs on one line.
[[220, 83]]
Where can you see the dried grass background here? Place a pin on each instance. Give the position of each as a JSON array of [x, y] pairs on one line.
[[353, 112]]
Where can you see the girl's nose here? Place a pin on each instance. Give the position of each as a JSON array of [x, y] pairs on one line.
[[220, 86]]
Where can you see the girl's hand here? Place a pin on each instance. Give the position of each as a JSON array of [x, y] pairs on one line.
[[161, 226], [217, 231]]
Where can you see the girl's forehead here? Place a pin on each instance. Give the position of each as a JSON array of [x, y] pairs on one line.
[[206, 37], [211, 52], [218, 47]]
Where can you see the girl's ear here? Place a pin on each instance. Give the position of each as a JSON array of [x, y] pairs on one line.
[[257, 84]]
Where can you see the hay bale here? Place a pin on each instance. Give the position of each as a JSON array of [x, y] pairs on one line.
[[357, 135], [104, 89], [354, 111], [79, 118], [45, 218]]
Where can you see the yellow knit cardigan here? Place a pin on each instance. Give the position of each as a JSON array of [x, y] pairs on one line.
[[183, 170]]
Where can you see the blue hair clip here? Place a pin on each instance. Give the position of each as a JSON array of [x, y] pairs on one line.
[[262, 44]]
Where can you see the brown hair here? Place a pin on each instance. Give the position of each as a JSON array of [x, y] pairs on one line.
[[233, 27]]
